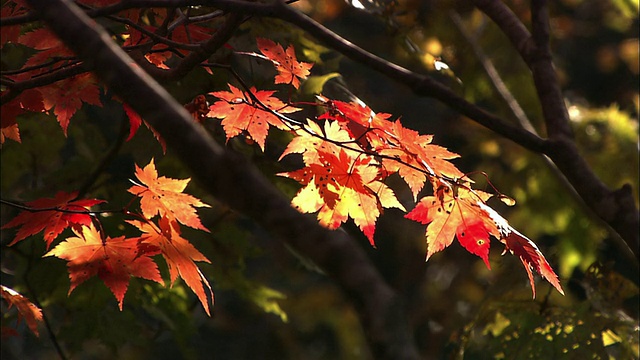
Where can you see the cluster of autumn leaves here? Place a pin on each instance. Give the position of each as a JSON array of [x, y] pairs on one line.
[[348, 152], [164, 208]]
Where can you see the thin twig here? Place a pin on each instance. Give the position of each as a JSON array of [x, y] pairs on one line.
[[45, 318], [56, 208]]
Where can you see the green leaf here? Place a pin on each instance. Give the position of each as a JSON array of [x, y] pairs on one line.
[[314, 84]]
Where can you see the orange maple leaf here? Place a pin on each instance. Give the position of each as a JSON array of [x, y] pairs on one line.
[[290, 70], [239, 113], [179, 254], [405, 151], [54, 220], [10, 132], [414, 157], [342, 186], [163, 196], [114, 260], [26, 309]]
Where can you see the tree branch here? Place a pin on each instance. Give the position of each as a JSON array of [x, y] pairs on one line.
[[233, 180]]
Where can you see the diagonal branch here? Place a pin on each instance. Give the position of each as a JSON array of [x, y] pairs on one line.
[[233, 180]]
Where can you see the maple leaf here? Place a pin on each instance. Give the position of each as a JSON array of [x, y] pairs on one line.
[[134, 120], [368, 128], [10, 132], [414, 157], [454, 211], [48, 46], [341, 186], [308, 141], [179, 254], [134, 124], [239, 113], [65, 97], [27, 100], [290, 70], [26, 309], [113, 260], [525, 249], [54, 220], [458, 210], [163, 196], [11, 33]]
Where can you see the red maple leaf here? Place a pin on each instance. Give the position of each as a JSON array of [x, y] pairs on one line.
[[134, 124], [65, 97], [134, 120], [163, 196], [525, 249], [114, 260], [11, 33], [48, 46], [26, 309], [54, 220], [290, 70], [179, 254], [239, 113], [27, 100], [454, 211], [458, 210]]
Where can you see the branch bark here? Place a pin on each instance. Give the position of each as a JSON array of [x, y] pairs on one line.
[[230, 178]]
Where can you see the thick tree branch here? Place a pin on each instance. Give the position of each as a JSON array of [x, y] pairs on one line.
[[233, 180], [16, 88]]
